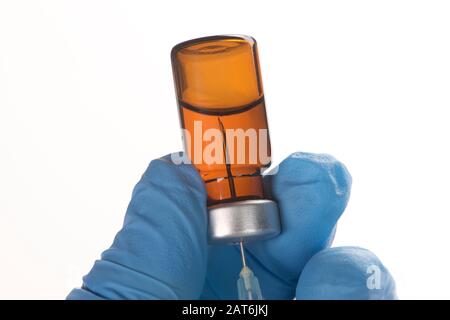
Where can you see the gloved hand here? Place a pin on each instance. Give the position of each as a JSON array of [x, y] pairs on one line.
[[162, 251]]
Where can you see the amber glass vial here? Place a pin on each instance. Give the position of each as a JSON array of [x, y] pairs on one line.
[[221, 103]]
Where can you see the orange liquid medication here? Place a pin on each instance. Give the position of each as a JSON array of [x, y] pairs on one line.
[[219, 87]]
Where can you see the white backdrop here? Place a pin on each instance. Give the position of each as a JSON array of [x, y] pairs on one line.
[[87, 100]]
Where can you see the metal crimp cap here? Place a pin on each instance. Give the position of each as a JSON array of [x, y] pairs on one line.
[[243, 221]]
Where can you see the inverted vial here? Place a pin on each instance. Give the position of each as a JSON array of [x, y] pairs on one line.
[[223, 116]]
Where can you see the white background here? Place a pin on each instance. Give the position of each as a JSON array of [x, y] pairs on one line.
[[87, 100]]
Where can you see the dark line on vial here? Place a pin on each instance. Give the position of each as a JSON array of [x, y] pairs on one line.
[[227, 164], [223, 111], [249, 175]]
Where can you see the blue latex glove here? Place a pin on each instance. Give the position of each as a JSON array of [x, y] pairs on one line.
[[162, 251]]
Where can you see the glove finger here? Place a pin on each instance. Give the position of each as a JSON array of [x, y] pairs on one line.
[[312, 191], [161, 251], [345, 273]]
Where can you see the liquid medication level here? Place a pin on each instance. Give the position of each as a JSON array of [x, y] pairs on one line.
[[229, 147]]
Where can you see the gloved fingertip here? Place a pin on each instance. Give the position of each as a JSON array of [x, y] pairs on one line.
[[311, 191], [303, 167], [345, 273]]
